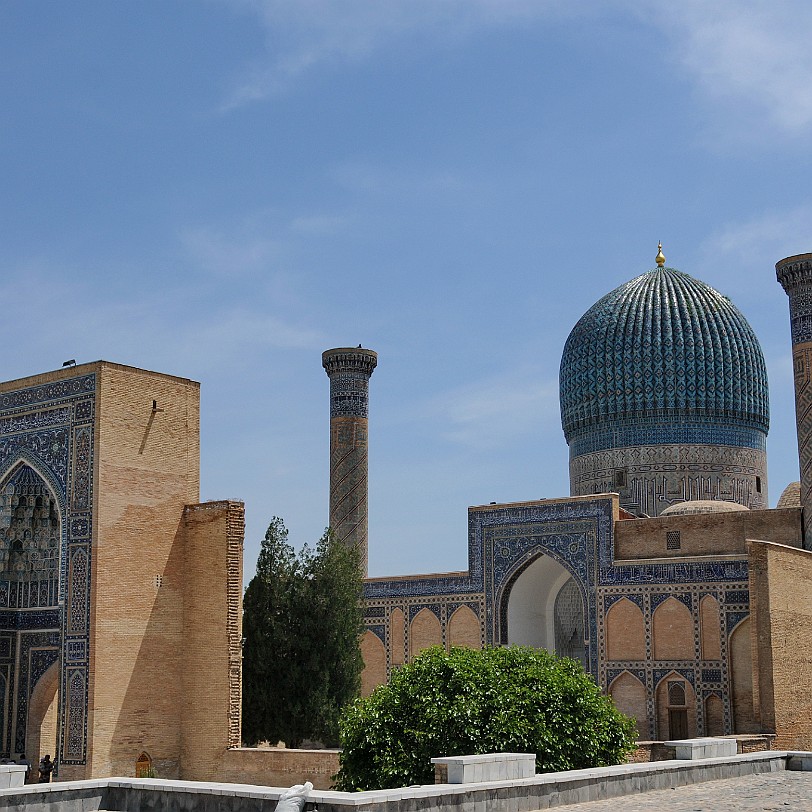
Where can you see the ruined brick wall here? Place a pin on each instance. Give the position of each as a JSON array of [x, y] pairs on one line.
[[781, 604], [212, 628], [279, 767]]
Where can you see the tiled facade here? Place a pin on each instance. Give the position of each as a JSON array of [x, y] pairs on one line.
[[580, 533]]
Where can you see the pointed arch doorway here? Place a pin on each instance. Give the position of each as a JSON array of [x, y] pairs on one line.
[[545, 609]]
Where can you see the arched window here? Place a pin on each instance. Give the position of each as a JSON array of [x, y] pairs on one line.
[[143, 766]]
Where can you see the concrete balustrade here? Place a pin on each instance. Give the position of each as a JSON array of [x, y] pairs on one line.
[[705, 747], [515, 795], [12, 775], [485, 767]]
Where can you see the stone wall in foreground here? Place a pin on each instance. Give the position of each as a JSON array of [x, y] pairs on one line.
[[279, 767]]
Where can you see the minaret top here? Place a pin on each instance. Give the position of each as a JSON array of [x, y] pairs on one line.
[[349, 359], [660, 258], [794, 271]]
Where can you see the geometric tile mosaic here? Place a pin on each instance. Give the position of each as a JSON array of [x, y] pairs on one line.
[[46, 467]]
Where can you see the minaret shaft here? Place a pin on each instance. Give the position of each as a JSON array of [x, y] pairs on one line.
[[349, 370], [795, 276]]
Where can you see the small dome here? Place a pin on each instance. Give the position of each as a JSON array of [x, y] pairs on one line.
[[703, 506], [791, 497], [663, 346]]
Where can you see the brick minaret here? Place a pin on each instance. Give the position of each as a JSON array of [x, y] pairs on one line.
[[349, 370], [795, 276]]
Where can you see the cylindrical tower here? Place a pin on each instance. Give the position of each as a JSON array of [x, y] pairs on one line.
[[349, 370], [795, 276]]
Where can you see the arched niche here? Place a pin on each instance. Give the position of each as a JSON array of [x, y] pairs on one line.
[[545, 609], [741, 678], [714, 716], [425, 632], [397, 637], [625, 632], [629, 694], [710, 629], [675, 701], [673, 630], [374, 655], [30, 536], [463, 628]]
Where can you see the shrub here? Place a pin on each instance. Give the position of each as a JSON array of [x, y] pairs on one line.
[[466, 702]]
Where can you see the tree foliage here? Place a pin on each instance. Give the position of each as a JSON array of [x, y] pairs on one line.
[[467, 702], [302, 622]]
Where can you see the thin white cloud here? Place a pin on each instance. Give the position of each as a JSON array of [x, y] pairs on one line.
[[758, 242], [497, 411], [305, 33], [229, 254], [752, 57], [745, 56]]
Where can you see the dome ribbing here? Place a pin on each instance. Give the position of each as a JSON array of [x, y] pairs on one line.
[[663, 348]]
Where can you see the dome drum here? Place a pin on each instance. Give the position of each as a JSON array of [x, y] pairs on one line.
[[650, 479]]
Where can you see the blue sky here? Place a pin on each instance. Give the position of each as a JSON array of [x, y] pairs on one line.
[[221, 190]]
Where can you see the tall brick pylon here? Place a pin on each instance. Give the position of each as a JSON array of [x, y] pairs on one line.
[[349, 370], [795, 276]]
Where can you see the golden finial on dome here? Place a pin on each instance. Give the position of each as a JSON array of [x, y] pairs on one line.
[[660, 255]]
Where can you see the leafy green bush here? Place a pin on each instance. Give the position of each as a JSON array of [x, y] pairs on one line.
[[466, 702]]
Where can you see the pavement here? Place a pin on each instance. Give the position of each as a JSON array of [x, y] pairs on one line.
[[784, 790]]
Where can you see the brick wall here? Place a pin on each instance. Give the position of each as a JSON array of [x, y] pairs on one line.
[[781, 607], [374, 656], [279, 767], [212, 627], [147, 469], [706, 533]]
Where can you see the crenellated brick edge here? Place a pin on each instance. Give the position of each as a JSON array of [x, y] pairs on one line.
[[235, 535]]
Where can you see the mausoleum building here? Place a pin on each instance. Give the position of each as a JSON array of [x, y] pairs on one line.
[[664, 572]]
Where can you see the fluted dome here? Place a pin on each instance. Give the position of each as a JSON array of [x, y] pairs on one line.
[[663, 347]]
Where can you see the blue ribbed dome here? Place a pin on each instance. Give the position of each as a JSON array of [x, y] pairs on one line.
[[663, 347]]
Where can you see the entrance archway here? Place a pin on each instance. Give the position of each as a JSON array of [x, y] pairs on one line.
[[40, 737], [545, 609]]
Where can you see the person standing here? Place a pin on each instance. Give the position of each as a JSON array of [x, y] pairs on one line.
[[46, 767]]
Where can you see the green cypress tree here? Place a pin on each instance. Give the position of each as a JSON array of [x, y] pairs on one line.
[[302, 623]]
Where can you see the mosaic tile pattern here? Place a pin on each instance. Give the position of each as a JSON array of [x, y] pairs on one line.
[[665, 370], [46, 444], [349, 371], [662, 346], [658, 476]]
